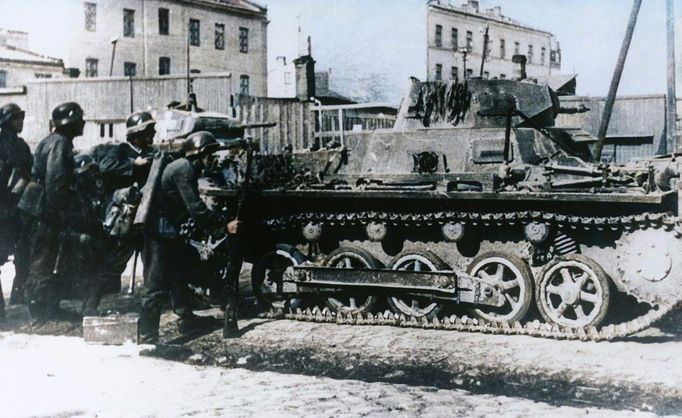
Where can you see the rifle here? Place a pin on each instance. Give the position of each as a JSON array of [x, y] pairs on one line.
[[230, 326]]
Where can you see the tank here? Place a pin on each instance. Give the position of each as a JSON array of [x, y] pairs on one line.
[[474, 213]]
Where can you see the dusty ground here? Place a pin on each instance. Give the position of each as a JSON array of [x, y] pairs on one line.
[[63, 376]]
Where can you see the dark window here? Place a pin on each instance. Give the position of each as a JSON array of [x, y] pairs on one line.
[[470, 72], [43, 75], [194, 32], [503, 76], [470, 41], [164, 66], [543, 53], [243, 40], [219, 36], [438, 41], [454, 39], [164, 21], [517, 48], [486, 74], [101, 130], [91, 67], [129, 23], [129, 69], [3, 79], [90, 16], [244, 85], [439, 72], [530, 54], [503, 47], [454, 73]]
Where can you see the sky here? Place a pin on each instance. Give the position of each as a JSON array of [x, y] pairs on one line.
[[359, 39]]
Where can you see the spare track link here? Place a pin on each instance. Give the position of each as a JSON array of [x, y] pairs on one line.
[[465, 323]]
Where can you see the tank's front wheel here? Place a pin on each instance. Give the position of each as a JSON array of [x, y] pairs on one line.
[[267, 275], [573, 291], [351, 258]]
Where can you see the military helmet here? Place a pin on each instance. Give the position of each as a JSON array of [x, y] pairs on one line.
[[83, 163], [199, 144], [8, 111], [138, 122], [67, 113]]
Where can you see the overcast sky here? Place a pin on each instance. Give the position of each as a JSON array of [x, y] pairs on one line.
[[357, 38]]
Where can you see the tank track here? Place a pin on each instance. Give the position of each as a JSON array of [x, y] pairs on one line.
[[464, 323]]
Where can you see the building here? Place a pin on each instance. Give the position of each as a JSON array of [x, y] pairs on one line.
[[456, 37], [19, 65], [150, 38]]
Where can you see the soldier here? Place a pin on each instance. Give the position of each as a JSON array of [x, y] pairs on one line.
[[47, 200], [168, 260], [15, 170], [121, 165]]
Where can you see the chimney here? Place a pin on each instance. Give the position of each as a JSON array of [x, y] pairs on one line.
[[520, 71], [472, 5], [305, 76]]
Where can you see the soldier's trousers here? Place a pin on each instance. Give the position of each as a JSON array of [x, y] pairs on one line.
[[168, 264], [43, 286], [14, 241]]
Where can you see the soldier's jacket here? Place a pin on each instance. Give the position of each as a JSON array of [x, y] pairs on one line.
[[53, 169], [116, 164], [15, 155], [179, 197]]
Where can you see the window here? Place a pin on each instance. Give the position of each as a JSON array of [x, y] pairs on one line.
[[42, 75], [195, 32], [503, 52], [129, 23], [164, 21], [517, 48], [90, 16], [438, 40], [129, 69], [91, 67], [454, 39], [470, 72], [287, 78], [470, 41], [454, 73], [164, 66], [486, 75], [439, 72], [244, 85], [243, 40], [543, 53], [3, 79], [503, 76], [530, 54], [219, 36]]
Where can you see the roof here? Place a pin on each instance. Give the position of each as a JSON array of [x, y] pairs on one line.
[[487, 16], [246, 6], [10, 53]]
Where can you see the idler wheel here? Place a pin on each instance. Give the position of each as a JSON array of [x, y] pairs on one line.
[[573, 291], [416, 260], [512, 276], [357, 259], [268, 272]]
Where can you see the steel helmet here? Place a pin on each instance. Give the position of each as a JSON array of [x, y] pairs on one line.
[[83, 163], [138, 122], [199, 144], [8, 111], [67, 113]]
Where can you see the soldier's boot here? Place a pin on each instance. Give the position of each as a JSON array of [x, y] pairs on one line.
[[191, 323], [90, 304], [148, 326], [230, 326]]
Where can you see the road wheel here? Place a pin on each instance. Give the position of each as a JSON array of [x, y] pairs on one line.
[[356, 259], [512, 276], [416, 260], [573, 291], [267, 273]]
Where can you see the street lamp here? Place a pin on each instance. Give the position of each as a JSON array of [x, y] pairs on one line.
[[114, 41]]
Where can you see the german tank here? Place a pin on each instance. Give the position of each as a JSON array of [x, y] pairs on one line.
[[474, 213]]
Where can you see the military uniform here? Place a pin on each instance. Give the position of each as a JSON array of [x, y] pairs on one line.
[[53, 172], [118, 170], [15, 163], [169, 262]]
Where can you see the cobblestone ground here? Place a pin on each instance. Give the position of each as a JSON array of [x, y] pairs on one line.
[[63, 376]]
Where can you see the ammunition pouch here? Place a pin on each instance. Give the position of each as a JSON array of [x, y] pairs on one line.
[[32, 200]]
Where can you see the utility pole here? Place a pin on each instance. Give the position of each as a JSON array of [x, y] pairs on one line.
[[671, 98], [486, 39]]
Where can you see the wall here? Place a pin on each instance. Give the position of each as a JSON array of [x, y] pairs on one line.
[[18, 74], [148, 45]]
